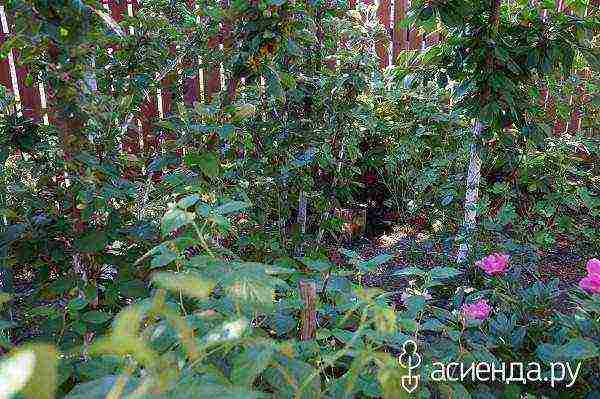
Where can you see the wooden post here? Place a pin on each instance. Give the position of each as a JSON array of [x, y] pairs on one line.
[[308, 294]]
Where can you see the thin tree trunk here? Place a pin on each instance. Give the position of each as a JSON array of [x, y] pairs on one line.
[[474, 173], [472, 194]]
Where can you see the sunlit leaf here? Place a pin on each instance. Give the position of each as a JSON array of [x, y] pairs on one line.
[[188, 284]]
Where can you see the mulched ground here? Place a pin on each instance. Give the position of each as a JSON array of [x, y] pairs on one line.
[[410, 248]]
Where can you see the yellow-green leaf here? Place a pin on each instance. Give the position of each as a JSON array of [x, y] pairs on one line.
[[188, 284]]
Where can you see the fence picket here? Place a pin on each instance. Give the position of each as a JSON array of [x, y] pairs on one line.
[[5, 75], [383, 11], [398, 33], [24, 87]]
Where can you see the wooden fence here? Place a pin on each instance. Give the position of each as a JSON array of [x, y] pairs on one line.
[[31, 99]]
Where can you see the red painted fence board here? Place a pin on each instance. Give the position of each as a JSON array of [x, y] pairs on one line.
[[384, 13]]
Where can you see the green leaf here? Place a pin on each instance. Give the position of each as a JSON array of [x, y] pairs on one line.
[[319, 265], [511, 392], [188, 284], [94, 241], [5, 324], [390, 378], [250, 363], [208, 162], [98, 389], [162, 162], [133, 289], [507, 214], [372, 263], [77, 304], [231, 207], [4, 297], [174, 219], [163, 258], [444, 272], [274, 87], [96, 317], [188, 201], [290, 375], [410, 271], [579, 349], [200, 388]]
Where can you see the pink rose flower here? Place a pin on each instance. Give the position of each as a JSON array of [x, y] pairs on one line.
[[493, 264], [591, 282], [593, 266], [479, 310]]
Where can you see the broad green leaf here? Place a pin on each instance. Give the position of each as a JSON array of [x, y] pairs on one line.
[[96, 317], [579, 349], [385, 319], [290, 376], [188, 201], [372, 263], [98, 389], [352, 375], [174, 219], [127, 322], [189, 284], [163, 258], [5, 324], [199, 388], [133, 288], [208, 162], [98, 367], [231, 207], [250, 363], [228, 331], [390, 377], [512, 391], [319, 265], [77, 304], [4, 297], [124, 345], [444, 272], [274, 87], [410, 271], [507, 214]]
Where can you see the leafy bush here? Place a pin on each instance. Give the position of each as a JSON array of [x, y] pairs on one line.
[[164, 257]]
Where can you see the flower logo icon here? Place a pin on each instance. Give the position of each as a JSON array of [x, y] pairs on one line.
[[411, 360]]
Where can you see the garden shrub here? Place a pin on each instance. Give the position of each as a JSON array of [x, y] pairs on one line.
[[163, 259]]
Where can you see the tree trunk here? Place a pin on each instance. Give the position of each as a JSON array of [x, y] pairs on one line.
[[474, 174], [472, 194]]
